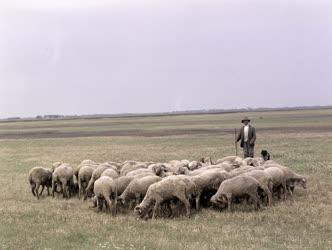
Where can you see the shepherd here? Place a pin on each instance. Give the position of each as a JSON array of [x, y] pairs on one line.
[[247, 136]]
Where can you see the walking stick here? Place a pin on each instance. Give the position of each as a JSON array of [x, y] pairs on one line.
[[235, 142]]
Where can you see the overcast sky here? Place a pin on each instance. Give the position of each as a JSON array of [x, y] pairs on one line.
[[83, 57]]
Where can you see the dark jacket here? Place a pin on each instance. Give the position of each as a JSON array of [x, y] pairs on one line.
[[251, 136]]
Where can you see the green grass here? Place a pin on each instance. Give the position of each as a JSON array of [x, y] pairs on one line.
[[304, 223]]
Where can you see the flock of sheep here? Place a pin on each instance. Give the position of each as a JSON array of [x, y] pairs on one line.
[[153, 188]]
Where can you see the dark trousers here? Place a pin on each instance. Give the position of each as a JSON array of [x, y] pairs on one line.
[[248, 150]]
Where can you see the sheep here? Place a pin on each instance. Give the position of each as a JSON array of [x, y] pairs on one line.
[[111, 173], [109, 165], [121, 183], [130, 167], [209, 180], [103, 191], [137, 189], [292, 179], [230, 159], [63, 175], [268, 162], [116, 164], [85, 163], [84, 176], [265, 180], [95, 175], [206, 161], [194, 165], [278, 179], [140, 171], [255, 162], [238, 186], [241, 170], [177, 167], [157, 168], [55, 165], [180, 187], [39, 176]]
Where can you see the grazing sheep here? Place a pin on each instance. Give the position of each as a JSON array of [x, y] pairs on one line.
[[266, 164], [121, 183], [85, 163], [209, 180], [241, 170], [177, 167], [116, 164], [278, 179], [171, 187], [84, 176], [103, 191], [63, 176], [206, 161], [111, 173], [230, 159], [236, 187], [131, 167], [292, 179], [137, 189], [140, 171], [39, 176], [296, 180], [265, 181], [95, 176], [109, 165], [158, 169], [55, 165], [194, 165], [254, 162]]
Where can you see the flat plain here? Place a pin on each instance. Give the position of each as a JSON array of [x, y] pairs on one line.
[[301, 140]]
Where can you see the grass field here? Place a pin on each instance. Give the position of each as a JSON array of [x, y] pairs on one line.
[[301, 140]]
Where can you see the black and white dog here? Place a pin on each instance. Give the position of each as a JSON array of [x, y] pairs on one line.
[[265, 155]]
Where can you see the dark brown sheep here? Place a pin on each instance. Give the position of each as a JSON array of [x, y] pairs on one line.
[[39, 176]]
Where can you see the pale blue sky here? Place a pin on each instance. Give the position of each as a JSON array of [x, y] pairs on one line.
[[82, 57]]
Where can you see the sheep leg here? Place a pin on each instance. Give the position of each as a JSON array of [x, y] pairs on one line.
[[255, 198], [99, 204], [64, 190], [41, 192], [53, 187], [229, 203], [79, 189], [154, 210], [269, 196], [285, 189], [108, 204], [186, 203], [36, 190], [33, 186], [48, 190], [138, 199], [85, 195], [198, 197]]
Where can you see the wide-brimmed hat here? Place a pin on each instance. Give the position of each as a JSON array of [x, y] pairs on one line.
[[245, 119]]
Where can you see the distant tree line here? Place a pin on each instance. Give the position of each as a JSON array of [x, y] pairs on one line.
[[186, 112]]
